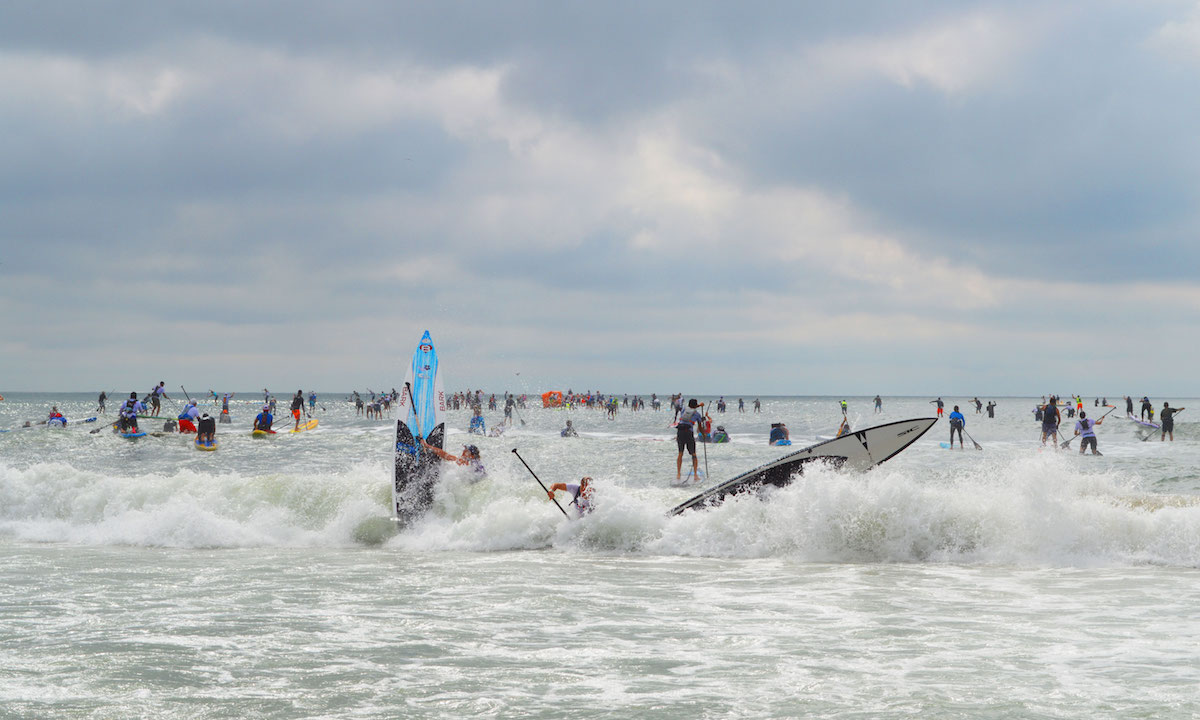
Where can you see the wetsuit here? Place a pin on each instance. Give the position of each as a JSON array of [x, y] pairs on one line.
[[957, 423]]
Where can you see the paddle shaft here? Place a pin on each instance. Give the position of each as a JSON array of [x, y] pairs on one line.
[[539, 482]]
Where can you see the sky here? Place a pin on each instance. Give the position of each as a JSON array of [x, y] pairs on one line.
[[992, 198]]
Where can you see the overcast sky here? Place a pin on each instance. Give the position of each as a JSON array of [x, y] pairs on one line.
[[740, 198]]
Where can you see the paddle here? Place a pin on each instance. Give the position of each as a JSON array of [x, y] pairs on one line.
[[539, 482], [185, 393], [977, 445], [1160, 430], [413, 401], [1068, 441], [706, 443]]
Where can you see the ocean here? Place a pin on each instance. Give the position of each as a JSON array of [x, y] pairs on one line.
[[144, 579]]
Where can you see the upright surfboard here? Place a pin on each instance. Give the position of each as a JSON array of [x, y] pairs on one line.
[[857, 450], [422, 411]]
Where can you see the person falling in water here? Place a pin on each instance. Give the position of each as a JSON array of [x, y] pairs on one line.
[[581, 494]]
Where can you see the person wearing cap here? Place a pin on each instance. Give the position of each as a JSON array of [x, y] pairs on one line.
[[684, 438], [187, 418], [470, 458], [264, 419], [1051, 417], [581, 494], [206, 429], [779, 434], [720, 436], [1167, 418], [127, 414]]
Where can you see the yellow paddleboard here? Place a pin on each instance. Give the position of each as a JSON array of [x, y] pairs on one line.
[[312, 423], [210, 448]]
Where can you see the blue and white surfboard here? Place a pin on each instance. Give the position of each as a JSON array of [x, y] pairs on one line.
[[422, 409]]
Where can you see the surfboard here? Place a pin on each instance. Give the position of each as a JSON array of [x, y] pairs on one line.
[[205, 446], [132, 436], [309, 425], [689, 478], [262, 433], [422, 410], [858, 450]]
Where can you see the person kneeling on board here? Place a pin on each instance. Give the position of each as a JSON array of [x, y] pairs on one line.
[[225, 407], [470, 457], [720, 436], [957, 423], [264, 419], [568, 431], [1087, 428], [581, 494], [187, 418], [56, 419], [779, 433], [206, 430], [127, 415]]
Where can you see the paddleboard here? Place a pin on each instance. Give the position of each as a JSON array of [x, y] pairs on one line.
[[309, 425], [1143, 423], [132, 436], [422, 410], [205, 446], [261, 433], [689, 479], [782, 443], [858, 450]]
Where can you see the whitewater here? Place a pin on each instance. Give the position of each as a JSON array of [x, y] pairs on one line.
[[146, 579]]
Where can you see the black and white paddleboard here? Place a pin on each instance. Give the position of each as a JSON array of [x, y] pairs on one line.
[[858, 451]]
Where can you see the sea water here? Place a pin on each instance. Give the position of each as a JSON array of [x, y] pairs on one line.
[[147, 579]]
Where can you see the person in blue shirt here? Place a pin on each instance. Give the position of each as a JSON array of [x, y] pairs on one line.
[[477, 425], [779, 435], [957, 423], [264, 419]]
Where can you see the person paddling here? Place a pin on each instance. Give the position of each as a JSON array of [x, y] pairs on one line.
[[297, 407], [1050, 421], [264, 419], [957, 423], [1167, 418], [470, 458], [1087, 429]]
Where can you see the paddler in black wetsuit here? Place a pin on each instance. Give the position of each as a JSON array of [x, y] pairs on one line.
[[1129, 406], [206, 430]]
